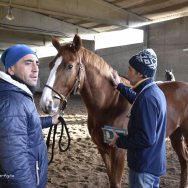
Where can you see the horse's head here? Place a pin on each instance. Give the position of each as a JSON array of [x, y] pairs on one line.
[[65, 76], [169, 76]]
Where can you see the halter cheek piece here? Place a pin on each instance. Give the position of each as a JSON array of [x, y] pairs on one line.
[[61, 97], [76, 85], [74, 89]]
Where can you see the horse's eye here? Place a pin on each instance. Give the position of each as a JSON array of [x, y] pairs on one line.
[[69, 66]]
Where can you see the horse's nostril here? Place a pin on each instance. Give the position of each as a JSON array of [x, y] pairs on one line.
[[47, 107], [51, 107], [49, 103]]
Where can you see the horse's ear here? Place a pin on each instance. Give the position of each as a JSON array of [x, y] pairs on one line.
[[77, 42], [56, 43]]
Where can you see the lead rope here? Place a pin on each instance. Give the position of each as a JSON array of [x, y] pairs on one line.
[[63, 125]]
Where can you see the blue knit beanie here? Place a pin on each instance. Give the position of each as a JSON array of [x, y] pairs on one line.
[[14, 53], [145, 62]]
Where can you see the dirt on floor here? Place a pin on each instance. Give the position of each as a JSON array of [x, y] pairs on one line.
[[82, 166]]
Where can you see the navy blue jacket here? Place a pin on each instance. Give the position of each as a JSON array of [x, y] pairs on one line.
[[23, 152], [145, 141]]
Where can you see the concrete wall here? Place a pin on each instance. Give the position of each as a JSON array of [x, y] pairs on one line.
[[168, 39]]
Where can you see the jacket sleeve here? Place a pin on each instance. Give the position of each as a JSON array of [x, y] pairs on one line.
[[46, 121], [143, 133], [14, 163], [127, 92]]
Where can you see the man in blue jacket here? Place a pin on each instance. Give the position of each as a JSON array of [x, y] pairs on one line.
[[23, 153], [145, 141]]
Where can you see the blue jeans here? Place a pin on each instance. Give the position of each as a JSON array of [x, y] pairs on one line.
[[143, 180]]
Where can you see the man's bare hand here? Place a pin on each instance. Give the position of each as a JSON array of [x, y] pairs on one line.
[[115, 137], [55, 119], [115, 79]]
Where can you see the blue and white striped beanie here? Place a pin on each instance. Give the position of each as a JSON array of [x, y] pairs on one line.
[[145, 62], [14, 53]]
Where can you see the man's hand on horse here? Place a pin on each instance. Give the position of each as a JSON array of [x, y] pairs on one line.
[[115, 79], [114, 139]]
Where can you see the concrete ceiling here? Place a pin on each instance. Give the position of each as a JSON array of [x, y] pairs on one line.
[[64, 18]]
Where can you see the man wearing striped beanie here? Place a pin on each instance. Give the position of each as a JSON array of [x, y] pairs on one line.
[[145, 141]]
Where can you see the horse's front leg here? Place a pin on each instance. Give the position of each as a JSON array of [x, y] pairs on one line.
[[117, 166], [112, 157], [114, 161], [107, 161]]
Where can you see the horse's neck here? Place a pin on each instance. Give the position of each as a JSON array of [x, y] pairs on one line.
[[96, 88], [97, 91]]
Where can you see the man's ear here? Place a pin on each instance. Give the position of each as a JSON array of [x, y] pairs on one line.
[[140, 75], [11, 71]]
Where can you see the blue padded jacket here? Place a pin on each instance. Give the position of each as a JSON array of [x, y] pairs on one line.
[[145, 141], [23, 152]]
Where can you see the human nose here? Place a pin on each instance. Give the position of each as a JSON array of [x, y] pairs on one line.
[[128, 72], [35, 67]]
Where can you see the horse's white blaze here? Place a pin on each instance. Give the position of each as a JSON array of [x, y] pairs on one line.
[[46, 99], [172, 77]]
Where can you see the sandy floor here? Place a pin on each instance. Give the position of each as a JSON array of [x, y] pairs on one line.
[[81, 166]]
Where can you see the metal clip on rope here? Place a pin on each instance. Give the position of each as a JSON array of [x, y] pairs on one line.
[[63, 125]]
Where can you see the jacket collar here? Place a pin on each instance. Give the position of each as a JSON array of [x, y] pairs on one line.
[[8, 79], [139, 86]]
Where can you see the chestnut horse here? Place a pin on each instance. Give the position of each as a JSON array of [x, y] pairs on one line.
[[76, 68]]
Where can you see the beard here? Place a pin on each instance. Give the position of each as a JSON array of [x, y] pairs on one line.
[[31, 88]]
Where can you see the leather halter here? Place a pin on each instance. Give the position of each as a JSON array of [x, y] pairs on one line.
[[74, 89]]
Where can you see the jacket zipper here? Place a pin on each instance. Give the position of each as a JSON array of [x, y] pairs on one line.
[[37, 172]]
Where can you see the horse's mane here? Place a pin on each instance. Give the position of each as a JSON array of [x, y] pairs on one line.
[[90, 57], [95, 60], [100, 64]]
